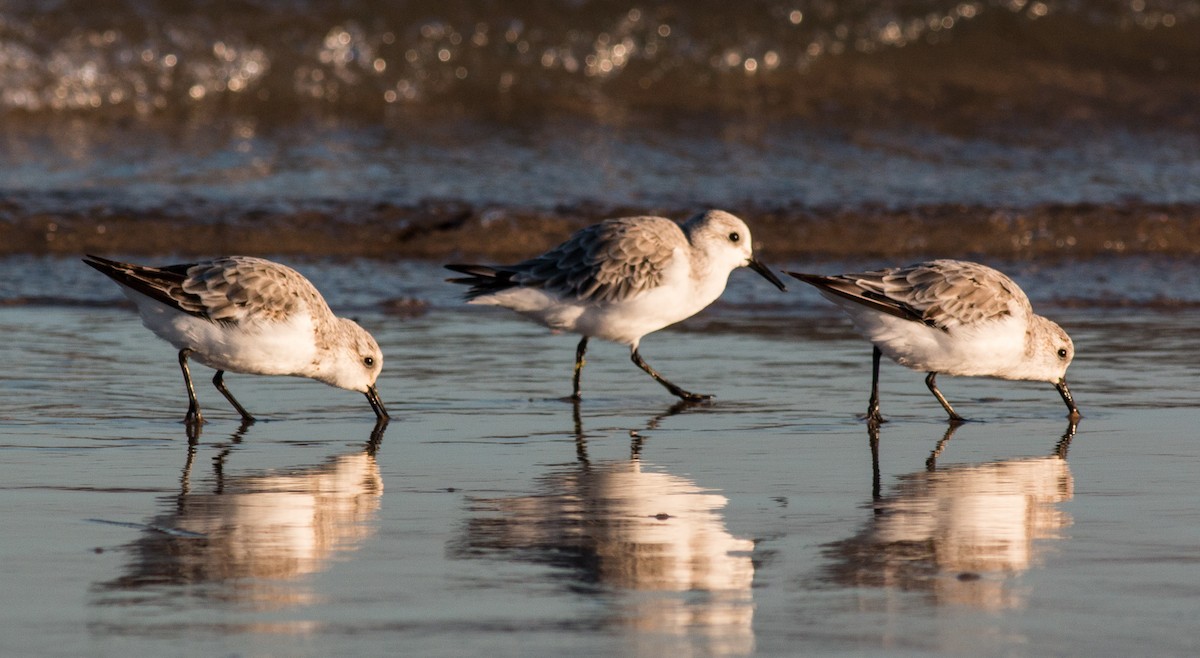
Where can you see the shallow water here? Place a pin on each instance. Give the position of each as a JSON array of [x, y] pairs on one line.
[[203, 172], [490, 517]]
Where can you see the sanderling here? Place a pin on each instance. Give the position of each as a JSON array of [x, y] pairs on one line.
[[249, 315], [953, 317], [622, 279]]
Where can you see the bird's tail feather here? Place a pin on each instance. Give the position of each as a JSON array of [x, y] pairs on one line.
[[483, 279]]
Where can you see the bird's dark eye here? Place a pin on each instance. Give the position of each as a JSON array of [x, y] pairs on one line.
[[734, 237], [369, 361], [1062, 353]]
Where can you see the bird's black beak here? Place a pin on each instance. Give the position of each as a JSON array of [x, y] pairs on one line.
[[766, 273], [376, 403], [1065, 392]]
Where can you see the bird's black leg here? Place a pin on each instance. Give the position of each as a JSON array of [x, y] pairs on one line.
[[931, 382], [675, 390], [873, 415], [579, 363], [193, 416], [219, 382]]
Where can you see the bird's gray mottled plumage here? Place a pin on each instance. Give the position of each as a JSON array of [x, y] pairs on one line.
[[955, 317], [941, 293], [231, 290], [609, 261], [622, 279], [249, 315]]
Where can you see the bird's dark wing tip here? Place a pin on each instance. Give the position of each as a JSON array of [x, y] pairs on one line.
[[102, 264], [818, 280], [472, 270]]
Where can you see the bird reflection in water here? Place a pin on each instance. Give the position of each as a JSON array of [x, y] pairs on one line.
[[250, 539], [652, 543], [960, 533]]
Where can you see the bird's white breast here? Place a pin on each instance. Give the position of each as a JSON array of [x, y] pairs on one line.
[[986, 349], [679, 296], [259, 348]]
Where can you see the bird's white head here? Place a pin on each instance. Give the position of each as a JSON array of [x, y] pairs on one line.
[[724, 238], [1048, 352], [356, 359], [725, 242]]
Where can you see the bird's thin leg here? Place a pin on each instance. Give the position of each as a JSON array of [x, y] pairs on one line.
[[193, 416], [579, 363], [675, 390], [873, 415], [931, 382], [219, 382]]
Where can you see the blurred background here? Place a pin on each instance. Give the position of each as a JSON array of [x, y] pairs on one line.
[[426, 128]]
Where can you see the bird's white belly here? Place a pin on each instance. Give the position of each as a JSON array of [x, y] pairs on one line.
[[627, 321], [279, 348], [988, 350], [619, 321], [622, 321]]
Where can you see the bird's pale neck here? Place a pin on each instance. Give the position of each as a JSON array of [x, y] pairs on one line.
[[709, 263]]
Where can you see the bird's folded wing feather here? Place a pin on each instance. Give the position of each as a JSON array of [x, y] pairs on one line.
[[943, 294], [239, 289], [609, 261]]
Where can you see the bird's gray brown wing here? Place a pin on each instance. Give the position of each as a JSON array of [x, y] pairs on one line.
[[609, 261], [229, 290], [950, 293], [944, 294], [848, 286], [237, 289], [163, 284]]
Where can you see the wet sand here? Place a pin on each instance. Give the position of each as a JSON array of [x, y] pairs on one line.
[[492, 518], [443, 230]]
